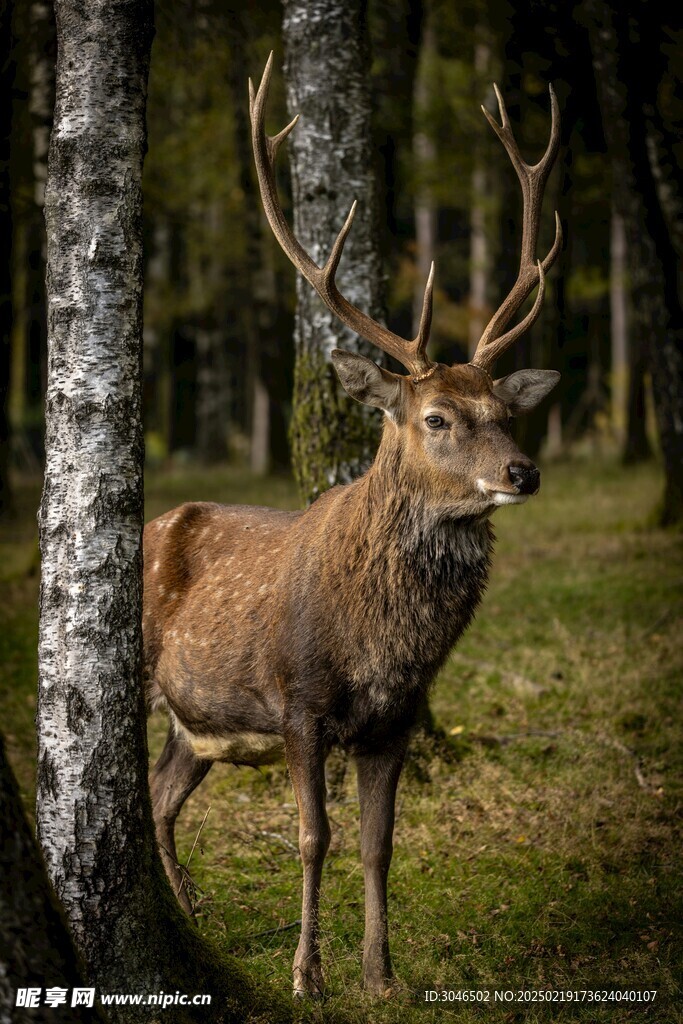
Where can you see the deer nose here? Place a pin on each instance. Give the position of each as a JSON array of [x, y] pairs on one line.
[[526, 479]]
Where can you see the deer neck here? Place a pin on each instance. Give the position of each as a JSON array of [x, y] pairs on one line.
[[406, 550], [406, 578], [402, 508]]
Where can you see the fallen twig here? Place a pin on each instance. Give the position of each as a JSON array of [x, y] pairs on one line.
[[186, 869], [282, 839], [512, 737], [275, 931], [623, 749]]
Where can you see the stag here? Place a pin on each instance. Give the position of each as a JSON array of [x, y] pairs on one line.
[[271, 633]]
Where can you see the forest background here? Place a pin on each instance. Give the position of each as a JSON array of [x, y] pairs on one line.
[[541, 844], [219, 296]]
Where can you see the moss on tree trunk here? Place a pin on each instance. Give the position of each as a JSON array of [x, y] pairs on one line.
[[332, 162]]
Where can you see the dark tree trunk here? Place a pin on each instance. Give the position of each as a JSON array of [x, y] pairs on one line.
[[332, 162], [43, 44], [636, 445], [629, 358], [93, 811], [626, 55], [618, 320], [7, 70], [35, 945]]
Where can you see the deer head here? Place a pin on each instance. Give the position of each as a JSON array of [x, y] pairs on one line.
[[449, 423]]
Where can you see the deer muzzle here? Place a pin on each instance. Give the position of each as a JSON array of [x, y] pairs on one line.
[[525, 478]]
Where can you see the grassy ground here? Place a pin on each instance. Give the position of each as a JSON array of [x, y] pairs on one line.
[[543, 849]]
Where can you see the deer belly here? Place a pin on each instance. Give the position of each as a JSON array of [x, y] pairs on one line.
[[248, 747]]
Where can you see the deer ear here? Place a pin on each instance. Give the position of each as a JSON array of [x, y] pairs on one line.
[[366, 382], [523, 390]]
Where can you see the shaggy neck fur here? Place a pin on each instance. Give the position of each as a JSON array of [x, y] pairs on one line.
[[418, 573]]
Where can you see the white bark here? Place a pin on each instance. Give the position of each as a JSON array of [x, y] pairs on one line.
[[424, 152], [479, 248], [260, 429], [91, 752]]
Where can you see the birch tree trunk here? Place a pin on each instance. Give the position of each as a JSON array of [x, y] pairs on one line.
[[479, 246], [93, 809], [424, 152], [92, 770], [332, 163]]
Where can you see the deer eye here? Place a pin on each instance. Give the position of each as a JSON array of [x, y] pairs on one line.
[[434, 422]]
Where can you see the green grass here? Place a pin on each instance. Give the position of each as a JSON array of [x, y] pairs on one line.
[[544, 850]]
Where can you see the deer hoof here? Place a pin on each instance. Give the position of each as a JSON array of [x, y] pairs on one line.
[[308, 984], [380, 986]]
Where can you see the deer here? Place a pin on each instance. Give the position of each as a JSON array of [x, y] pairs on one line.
[[271, 634]]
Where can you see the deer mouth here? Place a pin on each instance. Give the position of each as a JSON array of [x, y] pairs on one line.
[[501, 495]]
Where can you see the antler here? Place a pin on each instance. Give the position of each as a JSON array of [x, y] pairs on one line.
[[531, 271], [410, 353]]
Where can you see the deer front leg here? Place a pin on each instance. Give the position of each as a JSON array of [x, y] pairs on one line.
[[175, 775], [306, 761], [378, 776]]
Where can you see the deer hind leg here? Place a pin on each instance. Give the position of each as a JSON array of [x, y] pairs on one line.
[[306, 763], [378, 776], [175, 775]]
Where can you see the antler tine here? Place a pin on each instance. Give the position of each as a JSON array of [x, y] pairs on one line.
[[410, 353], [330, 268], [497, 346], [494, 341], [426, 315]]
